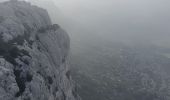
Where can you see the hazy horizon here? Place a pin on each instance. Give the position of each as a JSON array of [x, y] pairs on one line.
[[144, 21], [136, 20]]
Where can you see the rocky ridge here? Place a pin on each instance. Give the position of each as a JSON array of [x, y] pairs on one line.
[[33, 55]]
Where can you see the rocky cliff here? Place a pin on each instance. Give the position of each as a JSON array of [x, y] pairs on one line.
[[33, 55]]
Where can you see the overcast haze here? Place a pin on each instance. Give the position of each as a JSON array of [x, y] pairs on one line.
[[114, 20], [119, 20]]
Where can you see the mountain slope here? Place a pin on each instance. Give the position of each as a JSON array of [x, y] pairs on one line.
[[115, 71], [33, 55]]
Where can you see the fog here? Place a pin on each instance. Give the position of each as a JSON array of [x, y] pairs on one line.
[[119, 48], [121, 20], [112, 20]]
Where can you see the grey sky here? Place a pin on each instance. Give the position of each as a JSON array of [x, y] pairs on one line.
[[137, 19], [144, 20]]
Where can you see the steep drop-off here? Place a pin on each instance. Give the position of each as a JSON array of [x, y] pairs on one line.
[[33, 55]]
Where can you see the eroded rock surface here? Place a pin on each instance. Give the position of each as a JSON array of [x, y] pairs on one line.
[[33, 55]]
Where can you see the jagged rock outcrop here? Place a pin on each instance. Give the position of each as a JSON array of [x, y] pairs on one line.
[[33, 55]]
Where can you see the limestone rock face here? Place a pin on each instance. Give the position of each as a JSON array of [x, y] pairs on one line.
[[33, 55]]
